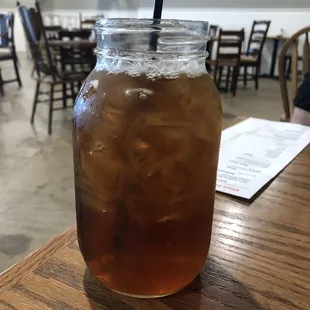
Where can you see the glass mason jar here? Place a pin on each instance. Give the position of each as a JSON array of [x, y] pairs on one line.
[[147, 127]]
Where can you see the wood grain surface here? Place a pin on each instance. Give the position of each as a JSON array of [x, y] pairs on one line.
[[259, 259]]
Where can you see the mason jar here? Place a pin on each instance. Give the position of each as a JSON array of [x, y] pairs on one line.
[[146, 135]]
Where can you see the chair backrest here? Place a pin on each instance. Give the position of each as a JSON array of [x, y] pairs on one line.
[[292, 43], [257, 38], [35, 34], [229, 46], [7, 31], [228, 54]]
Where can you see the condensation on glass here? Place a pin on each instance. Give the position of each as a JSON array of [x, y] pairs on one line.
[[147, 127]]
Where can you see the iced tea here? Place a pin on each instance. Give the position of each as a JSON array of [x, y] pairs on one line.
[[146, 152]]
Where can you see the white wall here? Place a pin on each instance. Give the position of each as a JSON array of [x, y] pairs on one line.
[[105, 5]]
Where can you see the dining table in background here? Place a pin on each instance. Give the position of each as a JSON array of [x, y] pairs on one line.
[[74, 34], [79, 47], [72, 43], [275, 48], [259, 259]]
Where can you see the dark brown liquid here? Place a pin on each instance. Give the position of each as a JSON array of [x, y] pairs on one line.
[[146, 155]]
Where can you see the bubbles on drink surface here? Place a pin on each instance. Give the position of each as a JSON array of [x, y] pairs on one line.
[[154, 68]]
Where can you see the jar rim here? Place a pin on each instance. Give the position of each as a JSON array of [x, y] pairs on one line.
[[114, 25], [151, 39]]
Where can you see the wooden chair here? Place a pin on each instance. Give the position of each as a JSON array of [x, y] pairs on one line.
[[7, 43], [47, 72], [253, 55], [292, 42], [52, 33], [228, 57]]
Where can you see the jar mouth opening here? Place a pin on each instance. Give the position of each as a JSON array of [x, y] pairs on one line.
[[147, 24], [165, 37]]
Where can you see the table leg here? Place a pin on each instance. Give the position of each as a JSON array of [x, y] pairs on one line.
[[274, 57], [64, 85], [1, 85]]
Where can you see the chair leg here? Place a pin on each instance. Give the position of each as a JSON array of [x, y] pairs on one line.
[[245, 77], [64, 95], [234, 82], [72, 91], [256, 77], [1, 85], [15, 60], [51, 108], [215, 71], [35, 102], [227, 78], [220, 76]]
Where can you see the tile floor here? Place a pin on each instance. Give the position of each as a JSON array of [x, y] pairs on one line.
[[36, 171]]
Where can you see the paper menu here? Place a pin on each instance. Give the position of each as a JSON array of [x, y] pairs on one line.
[[255, 151]]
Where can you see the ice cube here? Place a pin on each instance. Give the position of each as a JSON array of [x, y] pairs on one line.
[[102, 171]]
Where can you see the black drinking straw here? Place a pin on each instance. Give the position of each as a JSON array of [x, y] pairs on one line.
[[158, 8], [157, 11]]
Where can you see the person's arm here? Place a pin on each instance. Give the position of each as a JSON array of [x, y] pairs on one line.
[[302, 99], [301, 113]]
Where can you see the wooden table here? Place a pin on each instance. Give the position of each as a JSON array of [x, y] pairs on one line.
[[82, 34], [63, 45], [259, 259], [276, 40]]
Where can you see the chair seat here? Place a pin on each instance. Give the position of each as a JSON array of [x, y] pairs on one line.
[[224, 62], [248, 59], [5, 56], [228, 62]]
